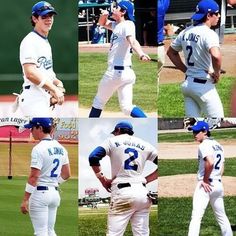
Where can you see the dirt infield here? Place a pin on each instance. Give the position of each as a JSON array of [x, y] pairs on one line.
[[184, 185], [189, 150], [170, 74]]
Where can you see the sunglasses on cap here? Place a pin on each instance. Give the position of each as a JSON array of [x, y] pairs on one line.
[[44, 8]]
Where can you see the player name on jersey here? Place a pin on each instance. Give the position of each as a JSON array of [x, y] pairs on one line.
[[55, 151], [191, 37], [131, 144], [217, 148]]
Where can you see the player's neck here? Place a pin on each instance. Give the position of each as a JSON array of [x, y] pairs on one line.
[[43, 34], [45, 137], [120, 20]]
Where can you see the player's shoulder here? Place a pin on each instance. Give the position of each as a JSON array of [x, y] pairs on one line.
[[30, 38]]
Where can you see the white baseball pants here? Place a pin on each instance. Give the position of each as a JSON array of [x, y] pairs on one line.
[[35, 103], [201, 98], [116, 80], [129, 204], [43, 209], [200, 202]]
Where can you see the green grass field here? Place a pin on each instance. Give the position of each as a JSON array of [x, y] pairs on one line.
[[218, 134], [171, 101], [93, 222], [14, 223], [92, 70], [175, 213], [21, 156]]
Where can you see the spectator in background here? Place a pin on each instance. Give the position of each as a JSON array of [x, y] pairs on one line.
[[149, 27], [220, 27]]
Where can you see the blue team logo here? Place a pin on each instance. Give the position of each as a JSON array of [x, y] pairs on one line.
[[43, 62], [113, 37]]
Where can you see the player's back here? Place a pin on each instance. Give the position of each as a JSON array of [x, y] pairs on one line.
[[128, 155], [210, 147], [195, 41], [49, 156]]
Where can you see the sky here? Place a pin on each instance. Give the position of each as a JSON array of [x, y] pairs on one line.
[[92, 132]]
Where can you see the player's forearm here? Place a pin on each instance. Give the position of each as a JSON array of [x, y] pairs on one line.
[[216, 59], [153, 176], [176, 60], [136, 46], [208, 170], [65, 172]]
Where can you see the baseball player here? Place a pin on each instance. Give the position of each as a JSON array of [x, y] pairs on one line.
[[119, 75], [49, 168], [201, 49], [209, 187], [40, 81], [129, 196]]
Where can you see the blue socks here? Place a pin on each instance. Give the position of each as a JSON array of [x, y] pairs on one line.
[[137, 112], [95, 112]]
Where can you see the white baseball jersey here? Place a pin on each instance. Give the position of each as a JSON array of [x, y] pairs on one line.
[[195, 42], [49, 156], [120, 51], [128, 155], [210, 147], [36, 49]]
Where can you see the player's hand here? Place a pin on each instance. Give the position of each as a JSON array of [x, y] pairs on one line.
[[59, 96], [206, 186], [104, 12], [24, 207], [216, 77], [144, 57]]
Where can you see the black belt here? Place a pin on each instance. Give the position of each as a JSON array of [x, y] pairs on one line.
[[44, 188], [211, 180], [27, 87], [120, 67], [200, 81], [160, 44], [125, 185]]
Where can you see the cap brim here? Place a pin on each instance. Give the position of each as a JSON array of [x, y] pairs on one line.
[[197, 16], [131, 18], [28, 126], [43, 13]]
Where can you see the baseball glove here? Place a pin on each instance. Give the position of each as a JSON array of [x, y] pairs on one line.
[[53, 100]]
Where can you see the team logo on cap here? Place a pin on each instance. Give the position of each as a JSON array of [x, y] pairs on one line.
[[197, 8]]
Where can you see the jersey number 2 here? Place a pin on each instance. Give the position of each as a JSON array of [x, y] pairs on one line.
[[190, 49], [133, 155], [55, 167], [218, 162]]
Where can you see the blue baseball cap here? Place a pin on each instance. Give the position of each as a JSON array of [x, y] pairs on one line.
[[123, 125], [42, 8], [129, 7], [204, 7], [44, 122], [200, 126]]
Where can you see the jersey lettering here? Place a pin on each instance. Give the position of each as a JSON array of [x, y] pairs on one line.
[[129, 164], [191, 37], [55, 151], [43, 62]]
